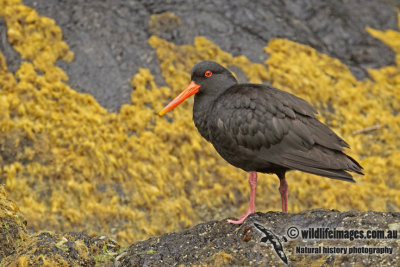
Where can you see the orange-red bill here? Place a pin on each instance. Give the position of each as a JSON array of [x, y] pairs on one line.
[[191, 89]]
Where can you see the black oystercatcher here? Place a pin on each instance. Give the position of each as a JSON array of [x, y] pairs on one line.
[[259, 128]]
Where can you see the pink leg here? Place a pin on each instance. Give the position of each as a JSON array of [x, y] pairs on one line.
[[250, 210], [284, 190]]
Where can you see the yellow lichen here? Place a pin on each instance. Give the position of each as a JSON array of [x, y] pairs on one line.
[[163, 22], [12, 226], [72, 165], [51, 249], [221, 259]]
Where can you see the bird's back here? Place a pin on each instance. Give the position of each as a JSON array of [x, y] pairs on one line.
[[260, 128]]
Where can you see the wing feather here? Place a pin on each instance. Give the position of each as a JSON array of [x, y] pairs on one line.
[[279, 128]]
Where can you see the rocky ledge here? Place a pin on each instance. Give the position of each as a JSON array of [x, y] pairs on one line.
[[328, 237], [275, 239]]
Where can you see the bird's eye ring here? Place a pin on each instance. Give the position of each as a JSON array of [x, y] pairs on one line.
[[208, 73]]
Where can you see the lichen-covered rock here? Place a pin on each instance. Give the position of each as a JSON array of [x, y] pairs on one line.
[[269, 239], [18, 248], [12, 225], [70, 249]]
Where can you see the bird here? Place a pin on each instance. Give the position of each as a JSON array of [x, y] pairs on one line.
[[261, 129]]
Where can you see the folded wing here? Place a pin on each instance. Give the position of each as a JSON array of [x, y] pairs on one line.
[[279, 128]]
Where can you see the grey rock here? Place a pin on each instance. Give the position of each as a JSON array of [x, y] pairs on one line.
[[12, 57], [263, 235], [110, 38]]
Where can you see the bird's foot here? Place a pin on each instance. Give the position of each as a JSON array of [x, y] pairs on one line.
[[241, 218], [251, 209]]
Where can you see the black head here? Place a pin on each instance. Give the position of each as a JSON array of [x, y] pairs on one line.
[[209, 80], [212, 77]]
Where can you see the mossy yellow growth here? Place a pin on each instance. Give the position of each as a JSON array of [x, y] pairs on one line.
[[12, 227], [221, 259], [72, 165], [68, 162], [37, 39], [74, 249]]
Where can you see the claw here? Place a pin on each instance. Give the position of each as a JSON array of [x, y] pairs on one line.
[[241, 219]]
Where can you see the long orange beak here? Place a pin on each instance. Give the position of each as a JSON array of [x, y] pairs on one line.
[[191, 89]]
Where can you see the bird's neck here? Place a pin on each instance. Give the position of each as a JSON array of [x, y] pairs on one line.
[[205, 99], [201, 109], [201, 106]]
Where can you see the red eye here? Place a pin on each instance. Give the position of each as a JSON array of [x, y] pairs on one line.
[[208, 73]]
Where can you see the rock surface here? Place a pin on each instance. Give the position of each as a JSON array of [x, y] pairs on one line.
[[19, 248], [273, 239], [110, 38], [219, 243], [12, 225], [68, 249]]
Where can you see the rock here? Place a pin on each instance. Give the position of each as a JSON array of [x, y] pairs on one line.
[[110, 39], [18, 248], [272, 238], [12, 225], [13, 59], [263, 235], [69, 249]]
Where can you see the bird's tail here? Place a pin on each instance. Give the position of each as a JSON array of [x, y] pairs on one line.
[[334, 164]]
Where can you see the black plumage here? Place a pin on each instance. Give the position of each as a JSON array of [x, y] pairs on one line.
[[275, 131], [259, 128]]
